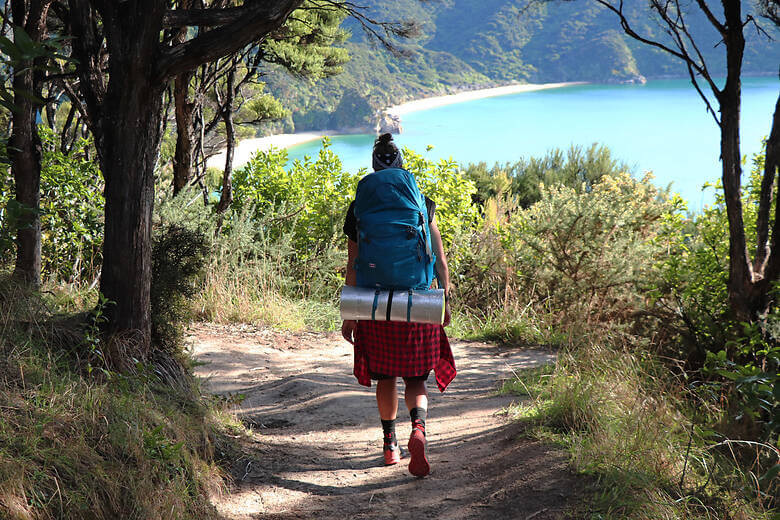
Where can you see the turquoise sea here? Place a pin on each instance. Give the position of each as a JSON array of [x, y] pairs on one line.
[[661, 126]]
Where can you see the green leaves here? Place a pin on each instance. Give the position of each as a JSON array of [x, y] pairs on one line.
[[592, 251], [447, 185], [310, 198]]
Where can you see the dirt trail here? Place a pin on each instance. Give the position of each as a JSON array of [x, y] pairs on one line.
[[317, 438]]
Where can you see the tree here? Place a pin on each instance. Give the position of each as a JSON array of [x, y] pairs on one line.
[[122, 93], [304, 46], [127, 54], [29, 17], [750, 280]]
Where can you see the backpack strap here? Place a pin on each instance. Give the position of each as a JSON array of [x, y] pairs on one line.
[[409, 307], [389, 305], [426, 238], [375, 305]]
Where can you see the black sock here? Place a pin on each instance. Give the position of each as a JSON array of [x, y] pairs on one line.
[[418, 415], [388, 429]]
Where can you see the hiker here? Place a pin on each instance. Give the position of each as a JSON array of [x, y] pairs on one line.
[[386, 350]]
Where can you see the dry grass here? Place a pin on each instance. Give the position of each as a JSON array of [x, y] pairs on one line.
[[632, 430], [75, 446]]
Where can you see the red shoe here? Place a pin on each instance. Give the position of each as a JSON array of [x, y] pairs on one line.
[[418, 465], [392, 454]]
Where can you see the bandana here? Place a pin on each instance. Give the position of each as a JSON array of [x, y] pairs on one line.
[[382, 161]]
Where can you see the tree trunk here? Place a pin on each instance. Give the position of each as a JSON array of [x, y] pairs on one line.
[[741, 287], [772, 171], [125, 117], [230, 133], [185, 133], [129, 147], [25, 145]]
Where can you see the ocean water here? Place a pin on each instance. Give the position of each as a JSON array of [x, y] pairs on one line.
[[661, 126]]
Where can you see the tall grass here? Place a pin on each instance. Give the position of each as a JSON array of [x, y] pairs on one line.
[[640, 433], [94, 444], [255, 273]]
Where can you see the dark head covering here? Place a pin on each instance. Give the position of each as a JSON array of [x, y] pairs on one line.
[[386, 154]]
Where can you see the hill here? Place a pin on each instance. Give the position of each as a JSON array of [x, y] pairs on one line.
[[467, 45]]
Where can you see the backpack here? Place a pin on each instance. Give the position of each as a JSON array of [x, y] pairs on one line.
[[394, 240]]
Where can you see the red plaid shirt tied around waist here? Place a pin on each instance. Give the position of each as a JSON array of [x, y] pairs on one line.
[[402, 349]]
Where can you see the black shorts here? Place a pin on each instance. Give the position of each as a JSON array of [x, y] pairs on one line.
[[380, 377]]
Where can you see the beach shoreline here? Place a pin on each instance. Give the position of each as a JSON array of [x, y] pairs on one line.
[[418, 105], [248, 147]]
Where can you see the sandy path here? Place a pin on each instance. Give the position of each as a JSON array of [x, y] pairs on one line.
[[317, 440]]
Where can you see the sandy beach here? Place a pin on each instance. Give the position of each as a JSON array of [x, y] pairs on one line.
[[471, 95], [248, 147]]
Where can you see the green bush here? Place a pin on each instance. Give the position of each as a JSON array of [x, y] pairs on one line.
[[313, 194], [524, 179], [739, 362], [71, 211], [589, 255], [178, 257], [643, 435]]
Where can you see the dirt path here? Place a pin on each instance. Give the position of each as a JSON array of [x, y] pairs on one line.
[[317, 449]]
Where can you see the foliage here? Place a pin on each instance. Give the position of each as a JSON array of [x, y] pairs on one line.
[[642, 434], [523, 180], [584, 255], [79, 446], [253, 272], [178, 257], [739, 360], [315, 193], [71, 211]]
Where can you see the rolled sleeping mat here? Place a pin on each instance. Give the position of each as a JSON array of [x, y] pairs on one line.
[[364, 303]]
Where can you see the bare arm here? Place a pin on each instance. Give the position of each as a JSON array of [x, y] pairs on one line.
[[348, 326], [352, 251], [442, 271]]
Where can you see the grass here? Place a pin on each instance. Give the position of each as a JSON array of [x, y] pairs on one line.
[[96, 444], [510, 326], [638, 435], [253, 294]]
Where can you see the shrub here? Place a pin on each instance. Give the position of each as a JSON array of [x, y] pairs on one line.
[[71, 212], [178, 257], [525, 179], [643, 435], [588, 255], [314, 197], [79, 446]]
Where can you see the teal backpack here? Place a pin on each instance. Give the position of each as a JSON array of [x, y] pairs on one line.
[[394, 240]]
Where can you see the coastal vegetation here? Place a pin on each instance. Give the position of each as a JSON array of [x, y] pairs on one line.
[[604, 267], [499, 42], [666, 390]]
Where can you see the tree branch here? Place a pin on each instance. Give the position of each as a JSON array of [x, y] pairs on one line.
[[676, 30], [87, 46], [202, 17], [258, 19], [721, 28]]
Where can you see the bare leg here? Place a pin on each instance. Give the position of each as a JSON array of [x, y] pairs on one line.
[[387, 398], [416, 394], [416, 397]]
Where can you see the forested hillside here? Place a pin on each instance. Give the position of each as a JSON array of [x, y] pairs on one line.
[[467, 45]]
